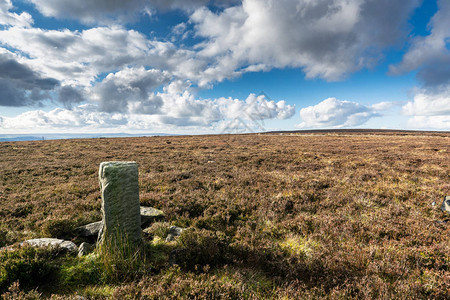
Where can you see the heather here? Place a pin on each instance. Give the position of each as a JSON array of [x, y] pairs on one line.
[[334, 214]]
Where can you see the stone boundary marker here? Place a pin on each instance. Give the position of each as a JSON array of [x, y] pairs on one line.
[[120, 202]]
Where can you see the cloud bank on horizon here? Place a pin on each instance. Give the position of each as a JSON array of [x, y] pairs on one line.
[[105, 73]]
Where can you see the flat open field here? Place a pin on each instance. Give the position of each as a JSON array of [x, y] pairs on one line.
[[313, 215]]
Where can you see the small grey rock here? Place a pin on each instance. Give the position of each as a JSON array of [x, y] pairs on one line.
[[174, 232], [150, 214], [85, 249], [170, 237], [442, 222], [446, 204], [89, 230], [51, 242]]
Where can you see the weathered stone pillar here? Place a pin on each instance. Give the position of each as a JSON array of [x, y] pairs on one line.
[[120, 202]]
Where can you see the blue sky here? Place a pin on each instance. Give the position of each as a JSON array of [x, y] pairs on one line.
[[199, 66]]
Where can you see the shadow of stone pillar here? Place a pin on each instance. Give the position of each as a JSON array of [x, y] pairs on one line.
[[120, 203]]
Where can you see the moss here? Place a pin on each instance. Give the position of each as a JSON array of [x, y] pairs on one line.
[[300, 246], [81, 271]]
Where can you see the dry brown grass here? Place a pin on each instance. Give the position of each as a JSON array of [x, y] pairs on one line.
[[331, 214]]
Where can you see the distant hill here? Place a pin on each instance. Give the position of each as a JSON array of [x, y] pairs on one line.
[[358, 131], [64, 136]]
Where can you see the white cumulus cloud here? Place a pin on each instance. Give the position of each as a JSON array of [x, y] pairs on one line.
[[78, 57], [326, 38], [181, 107], [176, 108], [84, 117], [13, 19], [430, 122], [108, 11], [381, 106], [334, 113], [130, 89], [132, 81], [430, 54], [429, 104], [430, 109], [20, 85]]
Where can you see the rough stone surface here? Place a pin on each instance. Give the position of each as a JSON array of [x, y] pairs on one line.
[[446, 204], [150, 214], [120, 201], [85, 249], [89, 230], [51, 242], [174, 232], [170, 237]]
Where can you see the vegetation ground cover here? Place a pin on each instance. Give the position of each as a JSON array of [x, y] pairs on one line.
[[313, 215]]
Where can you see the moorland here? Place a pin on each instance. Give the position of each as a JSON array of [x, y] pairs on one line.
[[299, 215]]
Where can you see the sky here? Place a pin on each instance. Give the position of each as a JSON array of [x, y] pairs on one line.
[[223, 66]]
